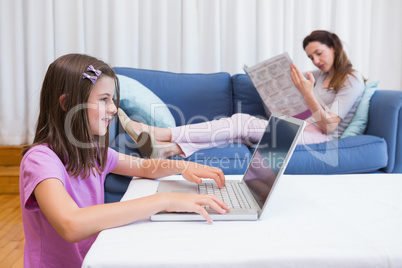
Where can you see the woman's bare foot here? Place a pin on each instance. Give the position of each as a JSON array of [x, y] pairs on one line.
[[152, 142], [159, 134], [168, 149]]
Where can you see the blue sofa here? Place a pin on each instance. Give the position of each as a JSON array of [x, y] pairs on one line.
[[203, 97]]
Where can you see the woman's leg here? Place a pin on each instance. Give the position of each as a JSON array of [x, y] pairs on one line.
[[187, 139], [312, 134], [237, 128], [160, 134]]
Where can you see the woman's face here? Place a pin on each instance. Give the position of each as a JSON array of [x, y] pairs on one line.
[[101, 107], [321, 55]]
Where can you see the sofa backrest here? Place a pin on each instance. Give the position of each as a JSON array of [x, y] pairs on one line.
[[192, 98], [245, 97]]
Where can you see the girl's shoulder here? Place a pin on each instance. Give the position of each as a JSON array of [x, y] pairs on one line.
[[41, 153], [38, 164], [40, 149]]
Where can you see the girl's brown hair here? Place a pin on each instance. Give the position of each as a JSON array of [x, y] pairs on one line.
[[342, 65], [65, 127]]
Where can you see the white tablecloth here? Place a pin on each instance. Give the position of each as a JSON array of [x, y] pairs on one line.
[[311, 221]]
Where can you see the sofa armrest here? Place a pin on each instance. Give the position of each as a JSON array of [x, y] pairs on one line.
[[385, 121]]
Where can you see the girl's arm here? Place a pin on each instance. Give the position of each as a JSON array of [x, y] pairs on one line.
[[326, 121], [158, 168], [75, 224]]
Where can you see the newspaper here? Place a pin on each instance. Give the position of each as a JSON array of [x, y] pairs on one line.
[[272, 80]]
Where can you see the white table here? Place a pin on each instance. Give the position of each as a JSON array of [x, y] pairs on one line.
[[312, 221]]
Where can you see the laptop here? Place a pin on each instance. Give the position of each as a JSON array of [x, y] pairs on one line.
[[248, 198]]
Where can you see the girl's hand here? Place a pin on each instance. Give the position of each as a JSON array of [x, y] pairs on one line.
[[178, 202], [304, 85], [194, 172]]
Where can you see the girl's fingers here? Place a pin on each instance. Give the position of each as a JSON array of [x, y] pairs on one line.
[[218, 204], [197, 202], [216, 174], [218, 177], [200, 210], [196, 179], [214, 202], [221, 176]]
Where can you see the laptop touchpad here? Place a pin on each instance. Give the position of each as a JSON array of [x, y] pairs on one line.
[[177, 187], [183, 191]]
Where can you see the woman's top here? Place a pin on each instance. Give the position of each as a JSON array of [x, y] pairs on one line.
[[44, 247], [342, 103]]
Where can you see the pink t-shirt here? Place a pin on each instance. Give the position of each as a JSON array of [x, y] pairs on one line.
[[44, 247]]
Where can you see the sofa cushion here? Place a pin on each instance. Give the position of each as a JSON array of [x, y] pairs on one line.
[[142, 105], [359, 122], [115, 187], [232, 158], [191, 98], [246, 98], [357, 154]]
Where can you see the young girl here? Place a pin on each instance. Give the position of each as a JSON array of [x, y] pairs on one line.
[[63, 171], [332, 94]]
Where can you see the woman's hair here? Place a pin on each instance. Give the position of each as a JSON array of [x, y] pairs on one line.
[[342, 65], [63, 122]]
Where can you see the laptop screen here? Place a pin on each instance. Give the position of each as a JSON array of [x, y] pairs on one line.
[[269, 157]]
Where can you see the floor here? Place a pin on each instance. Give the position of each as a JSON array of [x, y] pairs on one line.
[[12, 238]]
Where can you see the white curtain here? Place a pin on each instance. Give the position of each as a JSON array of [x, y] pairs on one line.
[[182, 36]]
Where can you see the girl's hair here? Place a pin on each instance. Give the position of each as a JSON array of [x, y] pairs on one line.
[[63, 122], [342, 65]]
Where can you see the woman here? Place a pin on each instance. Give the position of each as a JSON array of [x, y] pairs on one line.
[[332, 94]]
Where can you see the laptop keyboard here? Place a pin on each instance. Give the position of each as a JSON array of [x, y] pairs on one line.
[[231, 194]]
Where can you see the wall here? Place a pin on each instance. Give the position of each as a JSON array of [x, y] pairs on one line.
[[182, 36]]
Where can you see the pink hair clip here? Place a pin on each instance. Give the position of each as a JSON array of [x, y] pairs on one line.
[[92, 78]]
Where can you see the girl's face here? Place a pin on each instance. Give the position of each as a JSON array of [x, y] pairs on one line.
[[101, 107], [321, 55]]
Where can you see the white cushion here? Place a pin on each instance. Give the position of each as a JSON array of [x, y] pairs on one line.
[[142, 105], [359, 122]]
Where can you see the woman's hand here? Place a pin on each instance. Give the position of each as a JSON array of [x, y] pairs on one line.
[[327, 122], [304, 85], [178, 202], [195, 172]]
